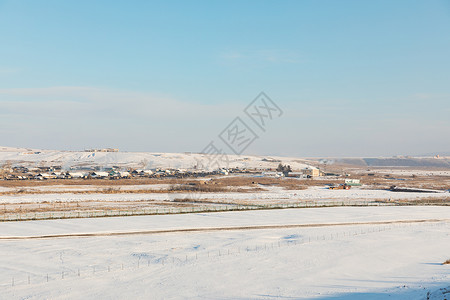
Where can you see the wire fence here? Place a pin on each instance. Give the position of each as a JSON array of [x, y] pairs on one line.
[[48, 215], [153, 262]]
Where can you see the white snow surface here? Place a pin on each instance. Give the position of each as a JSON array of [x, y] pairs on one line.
[[332, 262], [142, 160], [271, 195], [83, 188]]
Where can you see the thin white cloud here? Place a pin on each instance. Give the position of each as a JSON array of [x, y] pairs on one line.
[[232, 55], [8, 71], [430, 96], [279, 56], [77, 117], [264, 55], [95, 101]]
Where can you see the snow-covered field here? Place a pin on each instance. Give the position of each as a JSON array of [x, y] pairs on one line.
[[371, 261], [271, 195], [85, 188], [381, 252], [404, 171]]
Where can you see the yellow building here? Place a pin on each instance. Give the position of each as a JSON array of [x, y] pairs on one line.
[[311, 171]]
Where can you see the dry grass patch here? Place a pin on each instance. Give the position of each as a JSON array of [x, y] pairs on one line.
[[418, 182], [248, 190], [89, 192], [287, 183], [95, 182], [12, 208], [196, 188]]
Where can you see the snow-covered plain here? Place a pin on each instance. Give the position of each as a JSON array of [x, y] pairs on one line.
[[405, 171], [270, 195], [379, 261], [85, 188]]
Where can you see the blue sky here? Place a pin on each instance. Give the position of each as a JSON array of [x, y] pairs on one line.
[[354, 78]]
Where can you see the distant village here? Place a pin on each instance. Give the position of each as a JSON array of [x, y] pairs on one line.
[[22, 171], [116, 172]]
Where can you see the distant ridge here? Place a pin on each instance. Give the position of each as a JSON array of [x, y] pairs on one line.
[[395, 162], [444, 153], [15, 149]]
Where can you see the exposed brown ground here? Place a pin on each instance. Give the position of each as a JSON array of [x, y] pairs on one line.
[[431, 182], [242, 184], [95, 182], [8, 208], [215, 184], [420, 182]]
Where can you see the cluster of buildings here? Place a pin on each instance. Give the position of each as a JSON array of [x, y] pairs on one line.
[[116, 172], [308, 172], [102, 150], [56, 172]]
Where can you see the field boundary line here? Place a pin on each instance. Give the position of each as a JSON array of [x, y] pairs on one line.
[[211, 229]]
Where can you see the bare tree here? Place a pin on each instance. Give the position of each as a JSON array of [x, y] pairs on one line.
[[285, 169]]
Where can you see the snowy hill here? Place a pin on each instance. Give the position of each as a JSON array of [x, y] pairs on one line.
[[13, 149], [143, 160]]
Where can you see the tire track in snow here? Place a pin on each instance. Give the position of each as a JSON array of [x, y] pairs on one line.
[[211, 229]]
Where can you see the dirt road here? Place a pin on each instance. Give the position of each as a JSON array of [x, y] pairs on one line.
[[210, 229]]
